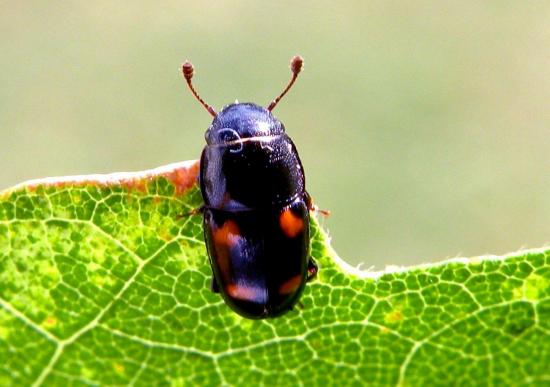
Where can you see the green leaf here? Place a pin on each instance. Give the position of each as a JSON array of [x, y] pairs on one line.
[[101, 282]]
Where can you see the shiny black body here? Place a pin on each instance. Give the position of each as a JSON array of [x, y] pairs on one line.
[[256, 213]]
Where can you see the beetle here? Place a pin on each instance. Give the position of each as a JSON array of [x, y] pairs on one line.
[[256, 208]]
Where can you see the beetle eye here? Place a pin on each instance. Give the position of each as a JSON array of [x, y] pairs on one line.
[[230, 138], [226, 135]]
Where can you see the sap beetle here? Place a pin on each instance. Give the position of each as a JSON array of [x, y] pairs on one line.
[[256, 208]]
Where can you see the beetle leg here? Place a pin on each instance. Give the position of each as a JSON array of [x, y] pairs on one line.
[[312, 269], [312, 207], [325, 213], [193, 212], [214, 288]]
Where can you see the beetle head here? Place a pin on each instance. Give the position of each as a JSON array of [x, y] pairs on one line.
[[240, 121]]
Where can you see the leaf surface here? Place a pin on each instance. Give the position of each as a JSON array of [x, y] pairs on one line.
[[102, 282]]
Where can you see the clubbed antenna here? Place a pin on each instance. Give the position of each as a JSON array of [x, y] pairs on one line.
[[295, 66], [188, 71]]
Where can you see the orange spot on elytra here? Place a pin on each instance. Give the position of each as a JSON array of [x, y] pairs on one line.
[[290, 223], [291, 285], [224, 238], [243, 292], [227, 234]]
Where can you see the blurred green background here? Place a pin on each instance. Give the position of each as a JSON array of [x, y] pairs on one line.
[[424, 127]]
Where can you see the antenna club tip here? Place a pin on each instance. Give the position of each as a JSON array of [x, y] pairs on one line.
[[296, 64], [188, 70]]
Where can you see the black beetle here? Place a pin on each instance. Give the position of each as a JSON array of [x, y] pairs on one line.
[[256, 208]]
